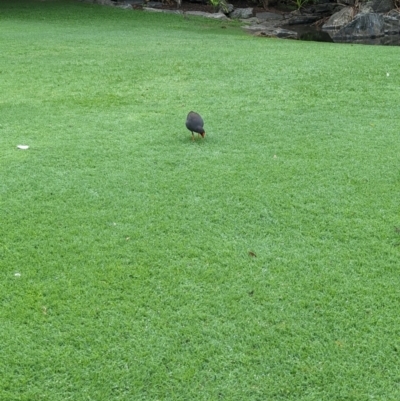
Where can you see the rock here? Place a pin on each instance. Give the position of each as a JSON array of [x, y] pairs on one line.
[[323, 9], [298, 19], [380, 6], [285, 33], [364, 8], [339, 19], [278, 33], [157, 10], [271, 31], [343, 26], [242, 13], [251, 21], [392, 23], [364, 25], [125, 6], [226, 9], [257, 28], [265, 16], [220, 16]]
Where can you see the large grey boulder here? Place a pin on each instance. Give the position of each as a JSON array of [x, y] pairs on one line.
[[380, 6], [392, 23], [339, 19], [363, 26], [241, 13]]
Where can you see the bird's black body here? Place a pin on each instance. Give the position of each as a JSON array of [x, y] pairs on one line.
[[194, 123]]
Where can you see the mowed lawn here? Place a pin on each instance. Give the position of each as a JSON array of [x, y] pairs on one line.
[[259, 263]]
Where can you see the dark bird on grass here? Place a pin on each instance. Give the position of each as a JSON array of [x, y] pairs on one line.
[[194, 123]]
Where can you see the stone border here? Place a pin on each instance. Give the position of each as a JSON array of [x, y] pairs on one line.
[[344, 23]]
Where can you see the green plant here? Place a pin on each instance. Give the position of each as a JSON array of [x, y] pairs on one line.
[[300, 3], [220, 5]]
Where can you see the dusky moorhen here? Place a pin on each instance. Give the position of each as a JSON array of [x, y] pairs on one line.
[[194, 123]]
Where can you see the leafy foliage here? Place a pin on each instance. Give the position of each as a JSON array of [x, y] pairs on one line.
[[220, 4]]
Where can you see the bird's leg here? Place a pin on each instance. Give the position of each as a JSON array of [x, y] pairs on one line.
[[192, 136]]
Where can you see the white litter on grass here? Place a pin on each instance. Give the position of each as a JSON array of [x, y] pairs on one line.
[[17, 274], [387, 74], [23, 147]]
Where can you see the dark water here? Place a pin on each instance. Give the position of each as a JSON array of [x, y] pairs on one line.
[[312, 33]]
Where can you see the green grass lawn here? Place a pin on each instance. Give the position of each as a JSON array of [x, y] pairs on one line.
[[261, 263]]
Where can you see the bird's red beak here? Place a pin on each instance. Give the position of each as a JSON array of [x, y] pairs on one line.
[[203, 135]]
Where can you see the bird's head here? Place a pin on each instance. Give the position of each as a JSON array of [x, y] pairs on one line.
[[203, 134]]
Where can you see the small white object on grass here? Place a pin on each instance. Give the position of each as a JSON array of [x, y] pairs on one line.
[[387, 74], [17, 274], [23, 147]]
